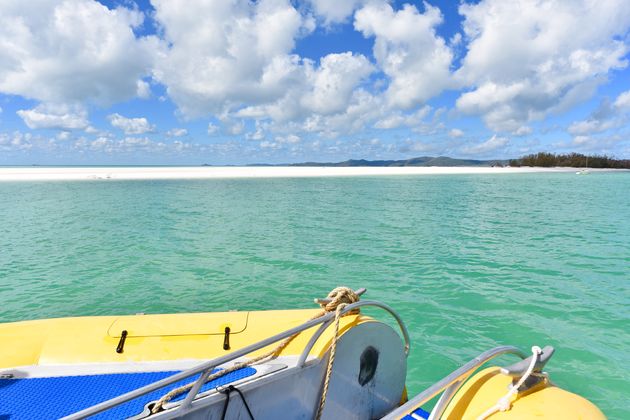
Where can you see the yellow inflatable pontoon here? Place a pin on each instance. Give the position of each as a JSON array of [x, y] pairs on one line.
[[332, 363]]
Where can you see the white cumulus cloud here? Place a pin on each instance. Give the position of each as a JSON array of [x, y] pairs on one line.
[[523, 130], [55, 116], [15, 142], [63, 135], [290, 139], [528, 59], [398, 119], [334, 81], [212, 129], [177, 132], [623, 100], [335, 11], [590, 126], [492, 144], [143, 89], [607, 116], [71, 50], [131, 125], [131, 146], [408, 50], [455, 133], [222, 54]]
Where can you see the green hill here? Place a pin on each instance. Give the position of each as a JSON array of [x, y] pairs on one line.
[[418, 161]]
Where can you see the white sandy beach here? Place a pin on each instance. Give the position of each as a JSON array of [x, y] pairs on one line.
[[215, 172]]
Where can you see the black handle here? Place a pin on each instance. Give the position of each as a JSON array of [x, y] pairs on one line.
[[226, 339], [121, 343]]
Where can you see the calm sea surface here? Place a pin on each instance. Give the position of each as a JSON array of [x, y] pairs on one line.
[[470, 261]]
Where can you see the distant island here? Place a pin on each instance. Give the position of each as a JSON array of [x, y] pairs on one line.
[[543, 159], [418, 161]]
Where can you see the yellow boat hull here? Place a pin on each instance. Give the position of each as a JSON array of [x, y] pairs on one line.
[[88, 342], [153, 337], [544, 401]]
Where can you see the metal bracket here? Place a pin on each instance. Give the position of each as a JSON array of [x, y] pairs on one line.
[[517, 370]]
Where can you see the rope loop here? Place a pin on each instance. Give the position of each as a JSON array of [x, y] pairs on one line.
[[505, 402]]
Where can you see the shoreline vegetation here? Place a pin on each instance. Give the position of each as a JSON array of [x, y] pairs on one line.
[[572, 160]]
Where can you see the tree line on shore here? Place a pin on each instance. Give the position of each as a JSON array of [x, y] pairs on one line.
[[575, 160]]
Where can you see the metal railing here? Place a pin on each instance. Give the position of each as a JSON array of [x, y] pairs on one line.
[[450, 384], [206, 368]]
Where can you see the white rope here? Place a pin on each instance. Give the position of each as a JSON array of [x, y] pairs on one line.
[[340, 298], [505, 403], [331, 360]]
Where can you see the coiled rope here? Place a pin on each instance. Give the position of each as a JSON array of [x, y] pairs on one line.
[[337, 299], [505, 403]]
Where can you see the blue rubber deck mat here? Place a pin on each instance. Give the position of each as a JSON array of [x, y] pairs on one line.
[[416, 414], [52, 398]]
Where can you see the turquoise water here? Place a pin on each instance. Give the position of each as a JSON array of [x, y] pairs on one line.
[[469, 261]]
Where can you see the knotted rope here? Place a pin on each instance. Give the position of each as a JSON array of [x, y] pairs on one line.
[[336, 300], [505, 403], [339, 299]]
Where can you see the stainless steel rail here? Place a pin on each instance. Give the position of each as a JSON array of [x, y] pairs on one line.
[[450, 384], [320, 330], [206, 367]]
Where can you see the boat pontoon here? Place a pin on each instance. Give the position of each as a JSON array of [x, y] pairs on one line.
[[333, 363]]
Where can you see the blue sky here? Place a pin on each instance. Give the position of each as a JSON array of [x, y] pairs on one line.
[[237, 82]]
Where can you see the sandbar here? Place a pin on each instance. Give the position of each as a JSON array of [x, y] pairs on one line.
[[40, 173]]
